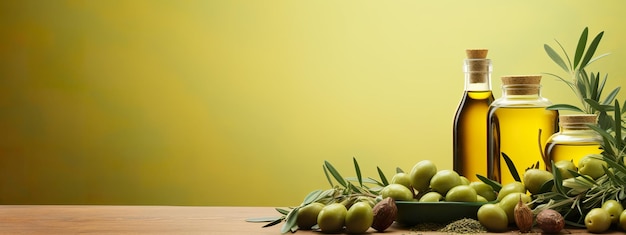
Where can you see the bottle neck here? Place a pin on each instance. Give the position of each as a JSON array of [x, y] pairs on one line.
[[521, 91], [576, 127], [477, 74]]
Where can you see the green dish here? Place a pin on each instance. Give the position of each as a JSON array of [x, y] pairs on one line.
[[411, 213]]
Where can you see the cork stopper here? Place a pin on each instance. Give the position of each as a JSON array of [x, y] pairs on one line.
[[579, 118], [521, 84], [476, 53], [477, 65], [578, 121]]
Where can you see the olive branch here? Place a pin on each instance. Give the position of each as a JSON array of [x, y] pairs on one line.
[[346, 190], [587, 86]]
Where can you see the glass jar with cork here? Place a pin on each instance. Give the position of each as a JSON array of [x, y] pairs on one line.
[[518, 125], [470, 125], [574, 140]]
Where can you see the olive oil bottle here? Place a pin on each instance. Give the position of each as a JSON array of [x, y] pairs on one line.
[[519, 126], [574, 140], [470, 120]]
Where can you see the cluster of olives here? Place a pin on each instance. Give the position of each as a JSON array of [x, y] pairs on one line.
[[499, 215], [335, 217], [599, 219], [424, 183]]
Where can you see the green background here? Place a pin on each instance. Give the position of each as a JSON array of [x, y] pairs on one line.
[[240, 102]]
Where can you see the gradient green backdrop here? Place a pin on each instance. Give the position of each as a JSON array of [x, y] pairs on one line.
[[240, 102]]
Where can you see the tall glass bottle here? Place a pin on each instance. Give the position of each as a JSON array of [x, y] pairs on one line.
[[519, 126], [574, 140], [469, 135]]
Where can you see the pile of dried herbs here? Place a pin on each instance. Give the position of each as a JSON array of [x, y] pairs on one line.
[[462, 226]]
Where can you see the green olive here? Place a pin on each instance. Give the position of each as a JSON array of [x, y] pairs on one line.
[[332, 218], [513, 187], [445, 180], [493, 218], [592, 165], [421, 173], [401, 178], [431, 197], [484, 190], [307, 215], [614, 208], [464, 180], [359, 218], [461, 193], [509, 201], [563, 166], [535, 178], [597, 220], [398, 192]]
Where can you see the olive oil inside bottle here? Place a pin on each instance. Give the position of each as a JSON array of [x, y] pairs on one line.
[[571, 152], [470, 120], [515, 132], [470, 135], [574, 140]]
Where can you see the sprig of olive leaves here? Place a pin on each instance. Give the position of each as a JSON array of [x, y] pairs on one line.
[[576, 196], [344, 190], [588, 87]]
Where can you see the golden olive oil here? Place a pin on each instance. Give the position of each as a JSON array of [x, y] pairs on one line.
[[470, 120], [514, 131], [574, 140], [571, 152], [470, 134]]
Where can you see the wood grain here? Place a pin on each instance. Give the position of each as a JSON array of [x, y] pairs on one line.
[[78, 219]]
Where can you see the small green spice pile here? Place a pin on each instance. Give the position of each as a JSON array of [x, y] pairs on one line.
[[462, 226], [424, 227]]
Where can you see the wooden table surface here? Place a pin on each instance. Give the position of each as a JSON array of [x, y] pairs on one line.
[[59, 219]]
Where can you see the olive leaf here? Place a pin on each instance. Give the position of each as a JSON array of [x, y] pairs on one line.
[[311, 197], [591, 50], [612, 176], [614, 164], [290, 222], [568, 107], [558, 179], [511, 166], [546, 186], [328, 177], [272, 223], [335, 173], [358, 171], [367, 180], [582, 43], [611, 96], [494, 184], [555, 57], [383, 179], [618, 127], [265, 219], [282, 211], [597, 106], [375, 181]]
